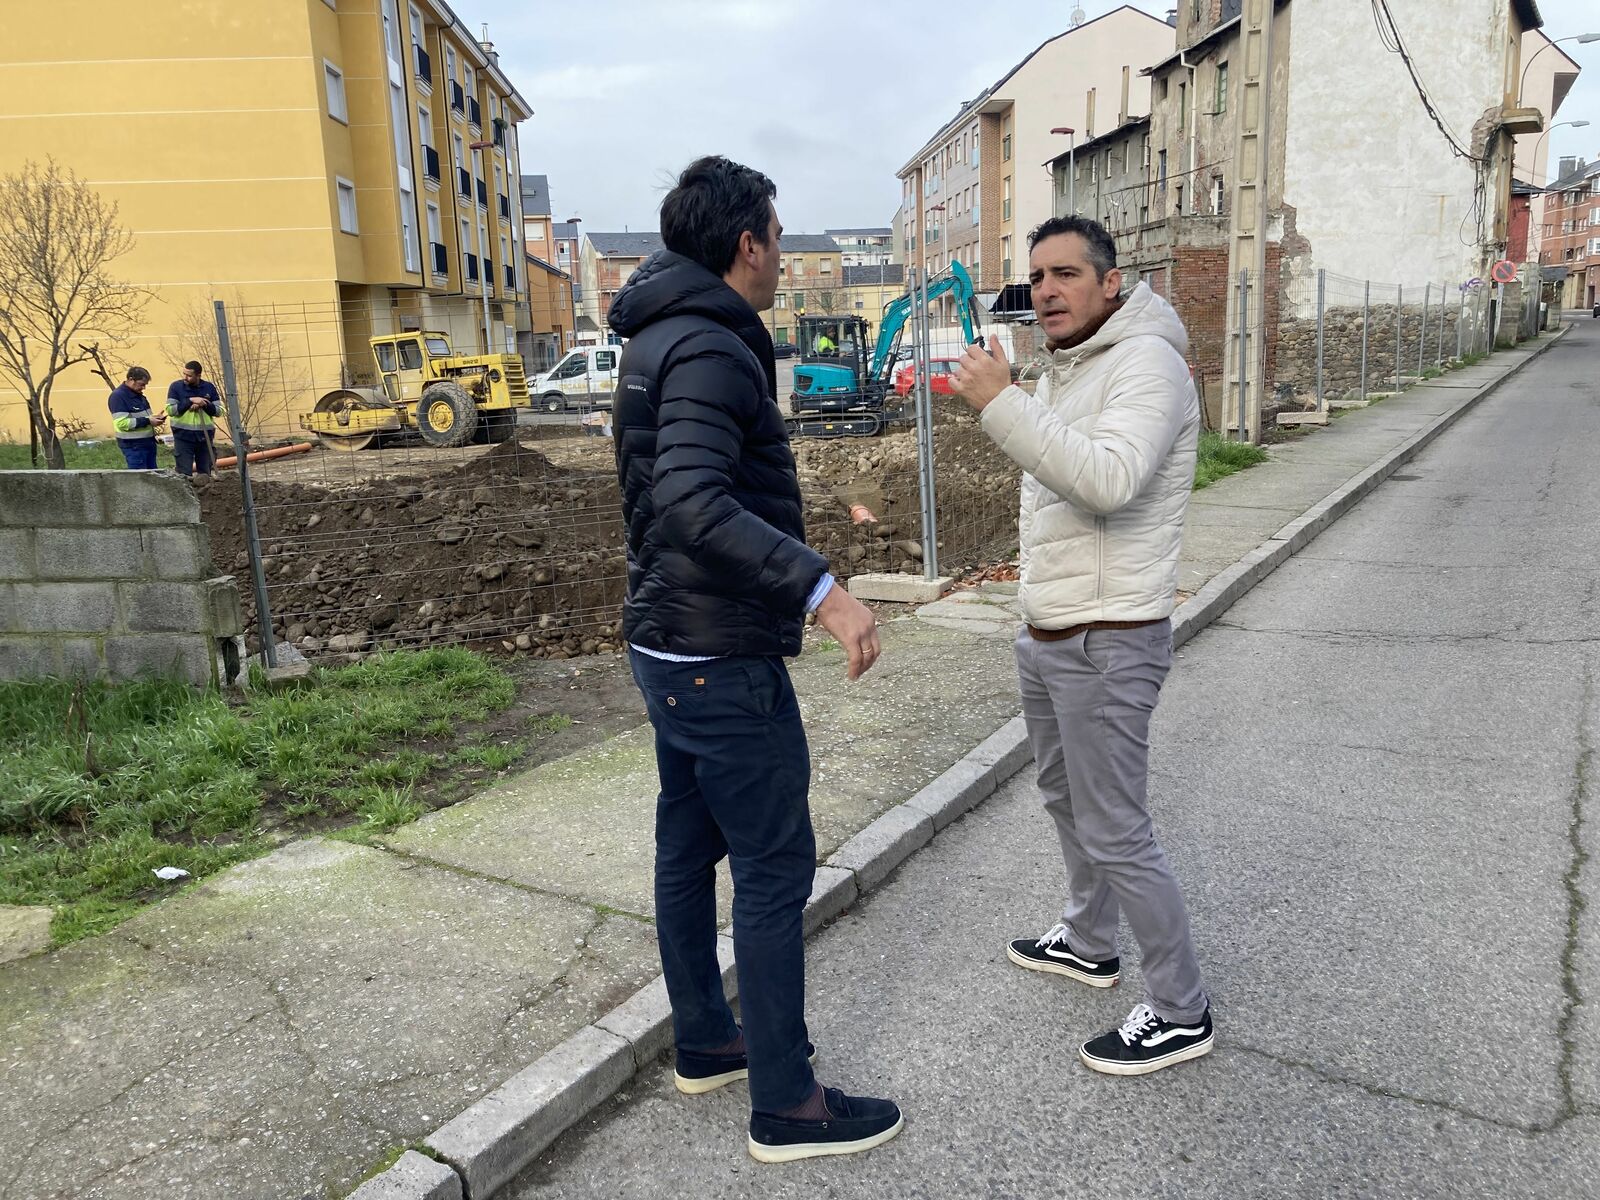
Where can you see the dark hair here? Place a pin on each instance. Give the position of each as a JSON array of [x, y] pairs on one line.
[[1102, 247], [192, 365], [137, 373], [714, 202]]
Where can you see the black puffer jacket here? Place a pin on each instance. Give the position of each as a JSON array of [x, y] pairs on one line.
[[717, 559]]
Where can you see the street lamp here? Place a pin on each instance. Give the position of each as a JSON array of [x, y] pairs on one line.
[[1580, 37], [1072, 166], [483, 250]]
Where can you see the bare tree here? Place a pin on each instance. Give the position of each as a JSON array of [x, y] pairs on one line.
[[266, 378], [831, 303], [58, 239]]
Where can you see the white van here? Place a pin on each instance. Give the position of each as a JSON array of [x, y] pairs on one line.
[[584, 378]]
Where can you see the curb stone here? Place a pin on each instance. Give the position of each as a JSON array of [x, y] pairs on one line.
[[491, 1142], [414, 1177]]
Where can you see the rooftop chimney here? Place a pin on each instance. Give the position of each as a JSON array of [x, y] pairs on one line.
[[1172, 17], [488, 46], [1568, 166]]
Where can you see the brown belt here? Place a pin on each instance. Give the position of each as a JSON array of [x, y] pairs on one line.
[[1072, 631]]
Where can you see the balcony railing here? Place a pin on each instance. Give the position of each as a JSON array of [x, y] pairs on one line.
[[472, 268], [505, 208], [458, 98], [441, 258], [430, 163], [474, 112], [464, 181], [483, 195], [422, 64]]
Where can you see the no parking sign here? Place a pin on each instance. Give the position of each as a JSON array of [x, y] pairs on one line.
[[1505, 271]]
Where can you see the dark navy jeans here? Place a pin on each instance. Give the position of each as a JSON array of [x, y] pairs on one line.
[[735, 781], [193, 454], [139, 453]]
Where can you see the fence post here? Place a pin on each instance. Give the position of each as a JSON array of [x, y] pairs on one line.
[[258, 579], [1366, 310], [1461, 319], [1444, 303], [1243, 390], [1399, 303], [1422, 329], [921, 355], [1322, 304]]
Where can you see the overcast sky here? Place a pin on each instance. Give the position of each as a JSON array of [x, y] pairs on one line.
[[829, 100]]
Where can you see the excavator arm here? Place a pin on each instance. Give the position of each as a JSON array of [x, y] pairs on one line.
[[891, 329]]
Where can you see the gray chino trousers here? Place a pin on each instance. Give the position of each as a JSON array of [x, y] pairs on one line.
[[1087, 701]]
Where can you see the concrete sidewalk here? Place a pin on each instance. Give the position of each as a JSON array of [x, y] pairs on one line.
[[281, 1028]]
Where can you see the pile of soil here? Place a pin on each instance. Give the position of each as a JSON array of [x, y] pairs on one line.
[[510, 550], [507, 546]]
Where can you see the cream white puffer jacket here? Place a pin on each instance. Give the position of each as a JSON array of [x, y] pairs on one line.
[[1108, 446]]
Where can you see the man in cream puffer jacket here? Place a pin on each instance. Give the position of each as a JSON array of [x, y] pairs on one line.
[[1107, 445]]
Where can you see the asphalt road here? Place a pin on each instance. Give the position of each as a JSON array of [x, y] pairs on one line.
[[1377, 780]]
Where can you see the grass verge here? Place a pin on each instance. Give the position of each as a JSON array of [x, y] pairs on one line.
[[1219, 458], [100, 784]]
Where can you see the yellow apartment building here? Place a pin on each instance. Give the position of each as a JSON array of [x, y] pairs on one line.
[[311, 162]]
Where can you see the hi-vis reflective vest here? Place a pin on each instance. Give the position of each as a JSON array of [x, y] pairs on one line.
[[193, 421], [130, 415]]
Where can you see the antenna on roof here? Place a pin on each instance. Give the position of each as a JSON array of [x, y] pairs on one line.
[[1078, 17]]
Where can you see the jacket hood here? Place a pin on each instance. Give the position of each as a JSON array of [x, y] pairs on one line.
[[670, 285], [1143, 313]]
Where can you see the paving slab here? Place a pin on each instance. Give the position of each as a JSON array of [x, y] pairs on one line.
[[582, 827], [270, 1030]]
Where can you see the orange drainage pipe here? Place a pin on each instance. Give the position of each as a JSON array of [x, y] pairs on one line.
[[262, 455]]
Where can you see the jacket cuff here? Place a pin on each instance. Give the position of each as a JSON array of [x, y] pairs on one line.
[[820, 592]]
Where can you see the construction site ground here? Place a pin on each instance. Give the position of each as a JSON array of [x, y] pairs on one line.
[[281, 1028]]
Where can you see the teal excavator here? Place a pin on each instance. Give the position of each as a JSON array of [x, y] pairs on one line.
[[839, 391]]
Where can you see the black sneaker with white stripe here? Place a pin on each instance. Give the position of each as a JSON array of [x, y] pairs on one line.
[[1052, 953], [1145, 1043]]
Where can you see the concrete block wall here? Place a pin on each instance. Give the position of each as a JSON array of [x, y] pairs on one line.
[[107, 574]]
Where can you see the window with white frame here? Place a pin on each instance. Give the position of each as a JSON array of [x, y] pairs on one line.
[[333, 84], [347, 205]]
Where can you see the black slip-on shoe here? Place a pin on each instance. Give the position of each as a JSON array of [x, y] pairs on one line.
[[696, 1073], [1052, 953], [1145, 1043], [854, 1124]]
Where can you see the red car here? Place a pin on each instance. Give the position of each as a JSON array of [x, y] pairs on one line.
[[938, 376]]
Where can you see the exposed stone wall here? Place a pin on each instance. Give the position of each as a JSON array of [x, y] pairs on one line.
[[1296, 373], [107, 574]]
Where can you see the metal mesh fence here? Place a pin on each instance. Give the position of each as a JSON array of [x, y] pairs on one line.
[[513, 537]]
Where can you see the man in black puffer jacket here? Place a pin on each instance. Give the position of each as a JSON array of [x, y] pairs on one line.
[[719, 581]]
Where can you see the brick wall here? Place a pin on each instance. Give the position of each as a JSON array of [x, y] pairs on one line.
[[1199, 291], [108, 574]]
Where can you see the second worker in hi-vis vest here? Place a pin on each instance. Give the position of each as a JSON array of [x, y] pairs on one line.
[[194, 406]]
